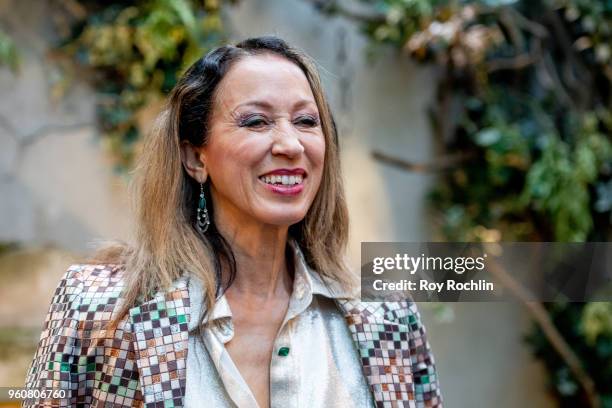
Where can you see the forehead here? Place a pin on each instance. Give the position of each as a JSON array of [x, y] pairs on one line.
[[268, 77]]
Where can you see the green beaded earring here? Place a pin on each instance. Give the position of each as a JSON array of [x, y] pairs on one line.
[[202, 220]]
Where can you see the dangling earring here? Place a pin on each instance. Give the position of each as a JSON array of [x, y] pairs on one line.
[[202, 220]]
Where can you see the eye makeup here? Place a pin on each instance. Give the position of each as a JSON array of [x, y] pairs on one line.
[[259, 120], [307, 120], [252, 119]]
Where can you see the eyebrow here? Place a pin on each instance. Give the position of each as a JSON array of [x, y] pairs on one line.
[[266, 105]]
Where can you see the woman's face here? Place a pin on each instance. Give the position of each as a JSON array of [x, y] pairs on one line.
[[265, 151]]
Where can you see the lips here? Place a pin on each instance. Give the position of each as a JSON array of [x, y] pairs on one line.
[[284, 181], [284, 177], [286, 172]]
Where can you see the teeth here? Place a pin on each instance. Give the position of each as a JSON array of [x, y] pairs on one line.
[[284, 180]]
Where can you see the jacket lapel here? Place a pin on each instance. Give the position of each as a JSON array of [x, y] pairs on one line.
[[384, 352], [161, 335]]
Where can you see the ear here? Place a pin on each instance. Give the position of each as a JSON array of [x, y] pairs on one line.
[[193, 161]]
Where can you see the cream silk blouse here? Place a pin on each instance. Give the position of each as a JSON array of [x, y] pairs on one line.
[[314, 364]]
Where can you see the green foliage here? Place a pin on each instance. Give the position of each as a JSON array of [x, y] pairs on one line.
[[597, 322], [526, 91], [558, 183], [134, 52], [8, 52], [7, 247], [588, 329]]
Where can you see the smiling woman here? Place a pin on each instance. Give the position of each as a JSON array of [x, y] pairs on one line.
[[235, 292]]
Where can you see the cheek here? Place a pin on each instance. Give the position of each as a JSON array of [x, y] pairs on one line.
[[315, 151], [228, 160]]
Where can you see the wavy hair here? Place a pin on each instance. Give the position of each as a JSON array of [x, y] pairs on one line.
[[167, 242]]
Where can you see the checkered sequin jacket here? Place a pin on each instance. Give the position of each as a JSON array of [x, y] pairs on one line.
[[143, 362]]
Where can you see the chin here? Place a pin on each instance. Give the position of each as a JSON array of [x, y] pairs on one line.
[[283, 218]]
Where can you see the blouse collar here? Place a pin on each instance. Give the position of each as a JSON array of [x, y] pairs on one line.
[[307, 283]]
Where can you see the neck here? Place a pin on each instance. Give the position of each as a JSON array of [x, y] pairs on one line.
[[261, 264]]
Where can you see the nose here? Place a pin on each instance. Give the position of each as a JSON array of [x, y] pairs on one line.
[[287, 142]]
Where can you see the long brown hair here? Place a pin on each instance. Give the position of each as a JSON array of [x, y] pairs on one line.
[[167, 242]]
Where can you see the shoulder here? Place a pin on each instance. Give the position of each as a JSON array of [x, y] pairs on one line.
[[82, 303], [90, 283], [94, 275], [88, 277], [403, 312]]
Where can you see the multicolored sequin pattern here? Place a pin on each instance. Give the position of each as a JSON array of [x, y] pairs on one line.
[[395, 355], [67, 359], [143, 361], [161, 331]]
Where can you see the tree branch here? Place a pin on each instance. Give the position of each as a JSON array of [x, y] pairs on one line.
[[74, 8], [334, 7], [515, 63], [441, 163]]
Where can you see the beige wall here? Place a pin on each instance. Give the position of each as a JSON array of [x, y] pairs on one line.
[[58, 189]]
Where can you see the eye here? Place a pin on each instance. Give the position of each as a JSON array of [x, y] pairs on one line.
[[253, 121], [307, 120]]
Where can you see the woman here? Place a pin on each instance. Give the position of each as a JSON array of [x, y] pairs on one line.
[[235, 292]]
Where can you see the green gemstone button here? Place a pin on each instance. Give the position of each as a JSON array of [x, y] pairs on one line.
[[283, 351]]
